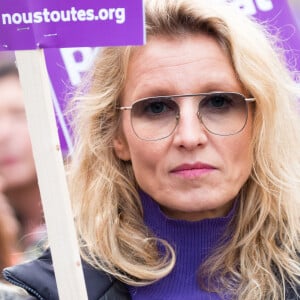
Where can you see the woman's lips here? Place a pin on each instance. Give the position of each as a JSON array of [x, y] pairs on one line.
[[192, 170]]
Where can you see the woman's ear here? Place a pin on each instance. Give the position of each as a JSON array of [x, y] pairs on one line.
[[121, 148]]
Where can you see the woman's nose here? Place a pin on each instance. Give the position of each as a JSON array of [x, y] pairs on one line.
[[190, 132]]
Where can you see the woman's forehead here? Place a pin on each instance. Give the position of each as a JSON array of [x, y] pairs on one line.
[[195, 63]]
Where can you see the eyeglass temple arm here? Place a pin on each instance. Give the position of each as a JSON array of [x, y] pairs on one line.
[[124, 107], [250, 99]]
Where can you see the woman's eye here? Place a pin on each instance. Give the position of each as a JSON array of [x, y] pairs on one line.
[[156, 107], [219, 101], [159, 106], [216, 102]]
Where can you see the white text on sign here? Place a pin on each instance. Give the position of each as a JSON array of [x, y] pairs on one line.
[[70, 15], [251, 7]]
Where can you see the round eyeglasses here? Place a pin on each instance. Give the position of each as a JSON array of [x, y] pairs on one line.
[[221, 113]]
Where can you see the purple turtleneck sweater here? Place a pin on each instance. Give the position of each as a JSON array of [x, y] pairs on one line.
[[192, 242]]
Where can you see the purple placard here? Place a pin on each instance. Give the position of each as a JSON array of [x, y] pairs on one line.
[[65, 66], [31, 24], [277, 14]]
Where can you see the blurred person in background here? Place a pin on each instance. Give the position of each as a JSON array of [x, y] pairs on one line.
[[9, 253], [9, 230], [17, 164], [7, 57]]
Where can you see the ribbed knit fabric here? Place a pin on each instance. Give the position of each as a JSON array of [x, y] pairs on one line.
[[192, 242]]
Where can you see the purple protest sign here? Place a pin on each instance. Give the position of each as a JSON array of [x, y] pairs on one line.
[[31, 24], [65, 67], [278, 15]]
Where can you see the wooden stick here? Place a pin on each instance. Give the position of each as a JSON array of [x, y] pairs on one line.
[[51, 175]]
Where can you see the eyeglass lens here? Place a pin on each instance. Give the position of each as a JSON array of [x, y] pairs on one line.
[[157, 117]]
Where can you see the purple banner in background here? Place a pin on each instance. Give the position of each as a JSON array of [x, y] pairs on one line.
[[31, 24], [278, 15], [66, 66]]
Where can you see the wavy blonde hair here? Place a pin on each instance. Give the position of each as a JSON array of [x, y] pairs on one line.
[[261, 259]]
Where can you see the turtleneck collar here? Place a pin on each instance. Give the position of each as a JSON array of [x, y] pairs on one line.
[[192, 241]]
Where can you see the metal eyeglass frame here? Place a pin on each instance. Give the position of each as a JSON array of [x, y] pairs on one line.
[[250, 100]]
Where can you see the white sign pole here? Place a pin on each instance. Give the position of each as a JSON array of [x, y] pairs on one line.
[[51, 175]]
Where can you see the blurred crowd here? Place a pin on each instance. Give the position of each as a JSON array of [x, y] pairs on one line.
[[22, 227]]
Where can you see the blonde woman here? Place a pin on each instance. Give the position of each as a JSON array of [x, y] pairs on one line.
[[185, 179]]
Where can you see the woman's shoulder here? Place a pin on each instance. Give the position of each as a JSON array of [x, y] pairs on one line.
[[37, 278], [292, 293]]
